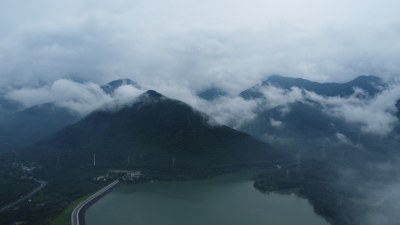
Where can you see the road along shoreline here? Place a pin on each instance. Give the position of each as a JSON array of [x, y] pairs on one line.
[[78, 214]]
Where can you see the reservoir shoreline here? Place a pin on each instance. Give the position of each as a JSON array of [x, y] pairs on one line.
[[224, 200], [79, 213]]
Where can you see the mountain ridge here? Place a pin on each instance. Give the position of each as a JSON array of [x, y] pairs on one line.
[[371, 84], [154, 132]]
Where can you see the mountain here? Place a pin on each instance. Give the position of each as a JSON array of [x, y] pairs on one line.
[[30, 125], [332, 155], [7, 107], [20, 128], [212, 93], [114, 85], [371, 84], [164, 138], [157, 134], [306, 127]]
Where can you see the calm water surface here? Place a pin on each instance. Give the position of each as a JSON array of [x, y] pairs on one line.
[[224, 200]]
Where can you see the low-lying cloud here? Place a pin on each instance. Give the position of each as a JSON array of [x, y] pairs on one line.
[[374, 115], [80, 97]]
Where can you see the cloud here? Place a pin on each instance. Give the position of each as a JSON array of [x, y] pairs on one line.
[[231, 111], [275, 123], [373, 192], [384, 200], [279, 97], [182, 46], [376, 115], [81, 97], [194, 43], [126, 92]]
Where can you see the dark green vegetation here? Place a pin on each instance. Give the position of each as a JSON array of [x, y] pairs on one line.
[[15, 187], [315, 182], [164, 138], [156, 133], [64, 218]]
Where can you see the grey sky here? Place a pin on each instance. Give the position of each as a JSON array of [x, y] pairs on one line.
[[192, 44]]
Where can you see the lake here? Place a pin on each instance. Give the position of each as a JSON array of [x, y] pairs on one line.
[[223, 200]]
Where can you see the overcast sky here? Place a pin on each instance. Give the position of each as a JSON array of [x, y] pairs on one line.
[[194, 44]]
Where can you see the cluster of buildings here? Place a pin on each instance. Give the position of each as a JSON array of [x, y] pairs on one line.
[[123, 175]]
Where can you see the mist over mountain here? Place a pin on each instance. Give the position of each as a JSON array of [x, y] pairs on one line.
[[22, 127], [212, 93], [156, 133], [112, 86], [343, 136], [325, 133], [320, 120], [221, 107], [370, 84]]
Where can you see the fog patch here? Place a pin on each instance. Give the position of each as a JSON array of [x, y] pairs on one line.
[[80, 97], [275, 123], [231, 111], [374, 115], [278, 97]]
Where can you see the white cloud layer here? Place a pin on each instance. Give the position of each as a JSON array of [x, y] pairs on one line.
[[374, 115], [179, 47], [80, 97], [194, 43]]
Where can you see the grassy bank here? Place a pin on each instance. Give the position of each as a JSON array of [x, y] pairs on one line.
[[65, 216]]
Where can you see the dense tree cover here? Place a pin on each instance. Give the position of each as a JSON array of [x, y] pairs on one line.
[[12, 187]]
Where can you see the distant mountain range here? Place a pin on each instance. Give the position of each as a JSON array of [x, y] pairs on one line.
[[168, 139], [114, 85], [20, 128], [30, 125], [370, 84], [305, 126], [7, 107], [212, 93]]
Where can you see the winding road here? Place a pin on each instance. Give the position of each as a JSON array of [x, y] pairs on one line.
[[78, 214], [32, 193]]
